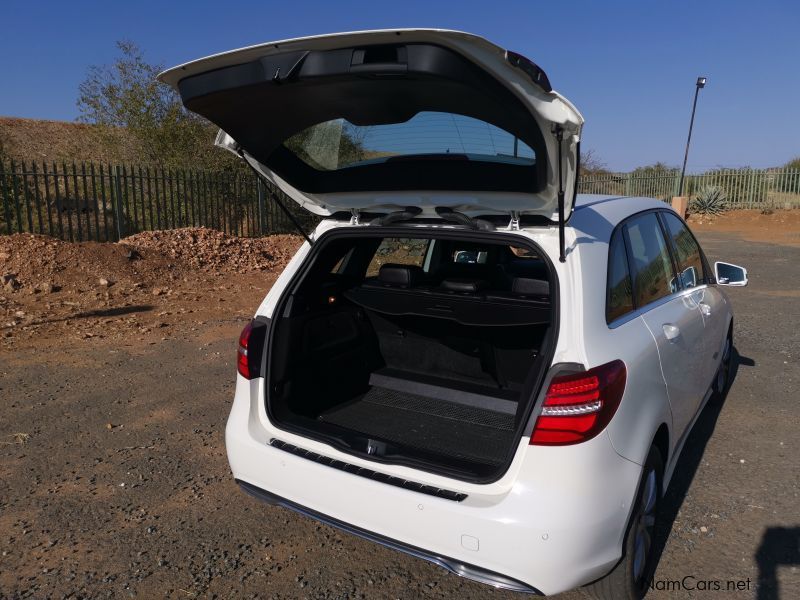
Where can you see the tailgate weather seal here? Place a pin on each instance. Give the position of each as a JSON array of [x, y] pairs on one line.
[[368, 473], [452, 565]]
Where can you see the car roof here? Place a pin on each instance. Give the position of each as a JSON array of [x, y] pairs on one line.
[[597, 215], [614, 208]]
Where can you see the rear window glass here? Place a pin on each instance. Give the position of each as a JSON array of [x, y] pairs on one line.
[[470, 256], [653, 278], [339, 144], [619, 300], [398, 251]]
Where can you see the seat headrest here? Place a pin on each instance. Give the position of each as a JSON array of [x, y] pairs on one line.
[[400, 275], [525, 286], [463, 285]]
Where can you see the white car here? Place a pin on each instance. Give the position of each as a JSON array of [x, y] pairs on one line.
[[465, 361]]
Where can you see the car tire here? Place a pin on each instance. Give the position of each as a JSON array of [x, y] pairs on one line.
[[631, 576], [722, 381]]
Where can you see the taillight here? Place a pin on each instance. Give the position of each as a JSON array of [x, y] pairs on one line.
[[242, 364], [577, 407]]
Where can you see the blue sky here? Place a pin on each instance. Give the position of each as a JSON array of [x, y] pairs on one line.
[[630, 67]]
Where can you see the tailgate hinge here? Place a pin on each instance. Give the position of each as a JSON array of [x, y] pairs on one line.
[[355, 216], [513, 224]]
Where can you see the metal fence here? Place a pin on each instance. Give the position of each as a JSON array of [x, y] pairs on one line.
[[103, 202], [743, 188]]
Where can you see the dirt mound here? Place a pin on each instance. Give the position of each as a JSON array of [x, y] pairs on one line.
[[143, 284], [145, 258], [44, 140], [202, 248]]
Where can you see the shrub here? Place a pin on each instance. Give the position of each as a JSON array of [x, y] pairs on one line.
[[710, 201]]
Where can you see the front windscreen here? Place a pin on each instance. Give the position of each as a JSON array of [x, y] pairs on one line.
[[339, 144]]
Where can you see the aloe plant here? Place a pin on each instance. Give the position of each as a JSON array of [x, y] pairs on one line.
[[711, 200]]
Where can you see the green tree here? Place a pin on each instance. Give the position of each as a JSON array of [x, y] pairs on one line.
[[591, 164], [658, 169], [127, 94]]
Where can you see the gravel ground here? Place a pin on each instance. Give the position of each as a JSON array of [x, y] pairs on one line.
[[114, 481]]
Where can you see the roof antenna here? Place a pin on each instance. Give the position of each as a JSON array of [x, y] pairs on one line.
[[559, 133]]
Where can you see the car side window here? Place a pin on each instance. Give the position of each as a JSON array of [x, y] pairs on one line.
[[686, 250], [653, 277], [619, 295], [403, 251]]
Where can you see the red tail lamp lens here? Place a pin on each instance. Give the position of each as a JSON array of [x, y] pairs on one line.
[[579, 406]]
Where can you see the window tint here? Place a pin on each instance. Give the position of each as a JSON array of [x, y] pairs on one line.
[[650, 260], [339, 144], [687, 252], [402, 251], [470, 256], [619, 299]]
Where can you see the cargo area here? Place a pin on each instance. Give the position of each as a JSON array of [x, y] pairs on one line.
[[419, 351]]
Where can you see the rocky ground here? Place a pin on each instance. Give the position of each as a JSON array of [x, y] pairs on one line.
[[141, 289], [113, 400]]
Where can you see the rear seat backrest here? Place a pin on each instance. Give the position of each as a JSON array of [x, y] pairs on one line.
[[463, 286], [402, 276], [526, 286]]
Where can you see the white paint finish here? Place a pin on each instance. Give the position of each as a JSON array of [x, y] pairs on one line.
[[562, 509], [552, 528]]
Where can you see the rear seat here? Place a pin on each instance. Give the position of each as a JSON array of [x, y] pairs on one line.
[[528, 287], [393, 275], [462, 286], [405, 290]]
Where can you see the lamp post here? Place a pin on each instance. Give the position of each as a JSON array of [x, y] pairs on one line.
[[701, 83]]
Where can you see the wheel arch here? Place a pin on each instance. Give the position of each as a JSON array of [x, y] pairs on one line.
[[661, 443]]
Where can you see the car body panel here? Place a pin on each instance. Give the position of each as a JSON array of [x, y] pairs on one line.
[[550, 521], [682, 357], [526, 531]]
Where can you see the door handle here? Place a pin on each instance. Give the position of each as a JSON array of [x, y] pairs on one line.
[[671, 332], [705, 309]]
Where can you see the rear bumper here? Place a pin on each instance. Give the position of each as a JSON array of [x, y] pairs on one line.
[[553, 523], [454, 566]]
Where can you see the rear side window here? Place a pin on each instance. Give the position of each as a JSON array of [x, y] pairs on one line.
[[687, 252], [619, 296], [402, 251], [650, 260]]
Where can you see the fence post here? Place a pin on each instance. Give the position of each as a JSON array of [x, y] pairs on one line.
[[118, 202], [262, 208], [4, 190]]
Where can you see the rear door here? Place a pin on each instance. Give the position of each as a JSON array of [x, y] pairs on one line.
[[673, 316], [377, 121], [694, 276]]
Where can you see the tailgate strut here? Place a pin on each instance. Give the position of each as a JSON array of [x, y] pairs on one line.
[[277, 200], [559, 133]]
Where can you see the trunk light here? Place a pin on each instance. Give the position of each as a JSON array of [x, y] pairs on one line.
[[579, 406]]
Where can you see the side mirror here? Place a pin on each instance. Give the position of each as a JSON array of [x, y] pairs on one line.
[[728, 274]]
